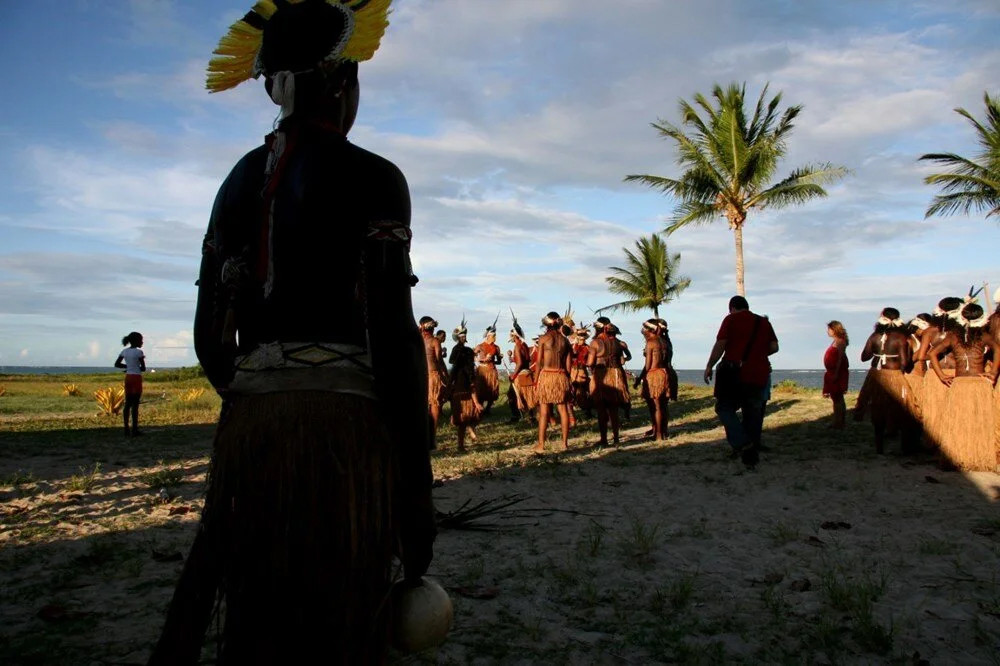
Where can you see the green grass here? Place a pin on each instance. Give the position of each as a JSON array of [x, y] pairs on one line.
[[85, 480]]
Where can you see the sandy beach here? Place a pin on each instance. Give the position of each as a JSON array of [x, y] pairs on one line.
[[649, 553]]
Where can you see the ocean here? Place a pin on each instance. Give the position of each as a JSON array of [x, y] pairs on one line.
[[806, 378]]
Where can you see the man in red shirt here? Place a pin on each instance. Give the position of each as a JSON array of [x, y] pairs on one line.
[[745, 340]]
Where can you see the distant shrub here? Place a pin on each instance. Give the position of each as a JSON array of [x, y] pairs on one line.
[[176, 374], [110, 399], [71, 390], [787, 386]]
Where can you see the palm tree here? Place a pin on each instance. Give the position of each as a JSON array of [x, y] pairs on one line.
[[728, 163], [970, 185], [650, 278]]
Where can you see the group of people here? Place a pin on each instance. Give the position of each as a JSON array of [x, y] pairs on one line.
[[559, 372], [932, 379]]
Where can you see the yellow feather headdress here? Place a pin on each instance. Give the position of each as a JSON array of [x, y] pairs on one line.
[[236, 54]]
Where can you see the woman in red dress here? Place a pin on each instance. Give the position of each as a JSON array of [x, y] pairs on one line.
[[836, 377]]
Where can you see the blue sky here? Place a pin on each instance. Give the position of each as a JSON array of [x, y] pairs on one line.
[[515, 123]]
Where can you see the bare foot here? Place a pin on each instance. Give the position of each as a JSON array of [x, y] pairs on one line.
[[538, 448], [471, 433]]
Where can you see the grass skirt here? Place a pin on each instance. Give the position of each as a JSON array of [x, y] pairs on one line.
[[553, 388], [655, 384], [463, 409], [968, 424], [487, 383], [890, 398], [437, 388], [932, 405], [524, 386], [580, 382], [915, 384], [610, 386], [299, 505]]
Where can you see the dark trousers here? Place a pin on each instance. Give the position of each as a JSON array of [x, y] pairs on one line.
[[741, 432]]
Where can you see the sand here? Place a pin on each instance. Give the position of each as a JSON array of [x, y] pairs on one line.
[[826, 553]]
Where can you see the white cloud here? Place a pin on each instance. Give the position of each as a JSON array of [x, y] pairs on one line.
[[93, 351], [23, 353]]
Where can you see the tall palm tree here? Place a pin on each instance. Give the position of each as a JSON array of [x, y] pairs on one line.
[[649, 279], [729, 162], [971, 184]]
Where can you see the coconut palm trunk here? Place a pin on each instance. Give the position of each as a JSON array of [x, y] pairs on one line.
[[738, 238]]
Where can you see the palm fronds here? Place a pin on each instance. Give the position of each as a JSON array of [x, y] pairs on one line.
[[970, 185], [649, 278], [471, 516]]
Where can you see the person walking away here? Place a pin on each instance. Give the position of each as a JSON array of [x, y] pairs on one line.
[[134, 362], [837, 375], [552, 386], [743, 345]]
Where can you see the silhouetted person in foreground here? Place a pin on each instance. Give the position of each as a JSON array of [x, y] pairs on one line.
[[320, 472]]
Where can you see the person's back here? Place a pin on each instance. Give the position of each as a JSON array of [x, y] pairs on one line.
[[743, 344], [304, 325]]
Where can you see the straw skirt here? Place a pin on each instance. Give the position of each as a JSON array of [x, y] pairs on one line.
[[299, 507], [969, 424], [610, 386], [553, 388], [655, 384], [932, 406], [890, 398], [487, 382], [524, 386]]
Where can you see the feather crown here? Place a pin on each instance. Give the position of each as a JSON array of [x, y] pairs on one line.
[[237, 57]]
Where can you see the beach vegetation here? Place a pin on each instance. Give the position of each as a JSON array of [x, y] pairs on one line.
[[970, 184], [71, 390], [649, 279], [729, 160], [110, 399], [85, 480]]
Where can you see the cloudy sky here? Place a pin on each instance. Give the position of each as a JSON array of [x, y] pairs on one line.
[[515, 123]]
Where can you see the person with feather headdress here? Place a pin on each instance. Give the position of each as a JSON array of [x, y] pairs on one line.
[[890, 398], [579, 376], [970, 430], [437, 373], [608, 384], [466, 409], [933, 393], [521, 376], [487, 378], [552, 387], [655, 379], [312, 492]]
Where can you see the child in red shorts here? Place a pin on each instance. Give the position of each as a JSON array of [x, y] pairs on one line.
[[134, 362]]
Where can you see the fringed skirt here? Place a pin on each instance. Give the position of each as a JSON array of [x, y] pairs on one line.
[[299, 507], [463, 409], [487, 383], [553, 387], [968, 424], [580, 381], [524, 386], [437, 388], [655, 385], [890, 398], [932, 406], [915, 384], [610, 386]]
